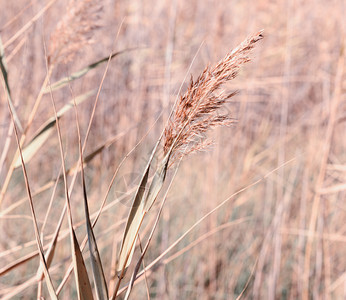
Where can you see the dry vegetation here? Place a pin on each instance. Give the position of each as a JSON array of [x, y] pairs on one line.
[[259, 213]]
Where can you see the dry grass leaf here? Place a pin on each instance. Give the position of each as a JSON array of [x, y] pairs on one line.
[[134, 220], [133, 224], [7, 86], [97, 269], [81, 274], [79, 74], [157, 183]]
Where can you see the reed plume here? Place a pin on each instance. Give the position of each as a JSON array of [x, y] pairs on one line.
[[75, 30], [194, 114], [197, 110]]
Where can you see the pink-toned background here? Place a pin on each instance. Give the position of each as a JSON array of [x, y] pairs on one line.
[[291, 113]]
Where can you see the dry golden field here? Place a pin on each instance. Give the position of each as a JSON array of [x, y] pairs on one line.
[[258, 213]]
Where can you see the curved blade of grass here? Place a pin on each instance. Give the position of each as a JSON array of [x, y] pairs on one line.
[[46, 129], [83, 283], [99, 277], [134, 220], [134, 274], [84, 290], [98, 274], [66, 80], [7, 86], [154, 189], [133, 224], [157, 183]]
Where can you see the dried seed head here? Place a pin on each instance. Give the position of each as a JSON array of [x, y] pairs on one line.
[[196, 110], [74, 31]]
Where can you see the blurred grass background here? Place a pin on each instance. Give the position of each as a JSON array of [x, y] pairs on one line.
[[291, 113]]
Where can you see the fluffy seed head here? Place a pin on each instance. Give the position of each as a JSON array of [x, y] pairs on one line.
[[196, 111], [74, 31]]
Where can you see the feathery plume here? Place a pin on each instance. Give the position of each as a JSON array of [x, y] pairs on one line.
[[74, 30], [196, 111]]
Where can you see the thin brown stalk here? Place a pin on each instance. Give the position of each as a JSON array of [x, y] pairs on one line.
[[145, 274], [34, 219], [23, 137]]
